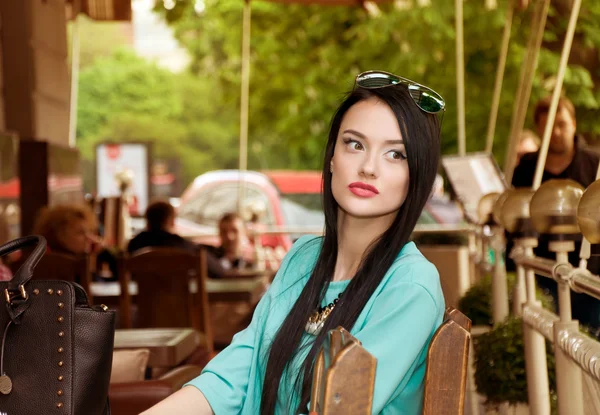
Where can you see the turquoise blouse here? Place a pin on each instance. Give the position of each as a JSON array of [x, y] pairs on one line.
[[395, 326]]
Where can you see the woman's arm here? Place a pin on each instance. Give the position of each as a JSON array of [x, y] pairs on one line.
[[187, 401]]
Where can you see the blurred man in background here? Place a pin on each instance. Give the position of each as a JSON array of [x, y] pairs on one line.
[[568, 158]]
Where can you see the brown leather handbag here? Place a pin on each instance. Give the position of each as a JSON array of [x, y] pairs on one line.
[[56, 350]]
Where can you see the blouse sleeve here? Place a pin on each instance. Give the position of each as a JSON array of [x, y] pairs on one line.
[[398, 331], [224, 381]]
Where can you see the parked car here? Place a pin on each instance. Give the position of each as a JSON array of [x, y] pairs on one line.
[[278, 198]]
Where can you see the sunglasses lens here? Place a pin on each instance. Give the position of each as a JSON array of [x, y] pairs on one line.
[[426, 99], [376, 80]]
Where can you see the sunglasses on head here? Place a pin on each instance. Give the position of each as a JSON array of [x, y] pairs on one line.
[[426, 98]]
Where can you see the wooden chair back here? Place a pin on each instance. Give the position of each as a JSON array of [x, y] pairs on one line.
[[59, 266], [343, 377], [171, 290], [447, 360]]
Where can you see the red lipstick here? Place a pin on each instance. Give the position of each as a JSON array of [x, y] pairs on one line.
[[363, 190]]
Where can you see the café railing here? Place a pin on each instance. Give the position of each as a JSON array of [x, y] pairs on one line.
[[577, 355]]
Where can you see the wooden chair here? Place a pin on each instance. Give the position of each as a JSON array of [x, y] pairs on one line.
[[344, 375], [164, 277], [447, 360], [58, 266]]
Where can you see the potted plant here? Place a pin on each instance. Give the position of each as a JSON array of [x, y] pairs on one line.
[[500, 365], [499, 361]]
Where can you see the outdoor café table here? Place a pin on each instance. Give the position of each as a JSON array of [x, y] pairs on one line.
[[168, 346], [228, 289]]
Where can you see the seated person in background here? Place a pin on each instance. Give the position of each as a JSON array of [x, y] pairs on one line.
[[568, 158], [69, 229], [160, 222], [235, 251]]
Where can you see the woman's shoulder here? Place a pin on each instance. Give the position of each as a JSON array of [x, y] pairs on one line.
[[304, 253], [411, 266], [307, 242], [299, 261], [410, 256]]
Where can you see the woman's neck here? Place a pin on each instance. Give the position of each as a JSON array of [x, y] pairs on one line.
[[355, 236]]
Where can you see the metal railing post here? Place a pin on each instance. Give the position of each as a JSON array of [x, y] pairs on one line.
[[499, 283], [536, 366], [569, 381]]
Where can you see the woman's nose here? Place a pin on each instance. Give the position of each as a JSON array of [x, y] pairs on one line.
[[369, 167]]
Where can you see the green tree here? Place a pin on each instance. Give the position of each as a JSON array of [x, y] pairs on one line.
[[305, 57], [124, 97]]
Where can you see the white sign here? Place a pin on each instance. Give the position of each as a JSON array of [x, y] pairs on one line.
[[472, 177], [115, 161]]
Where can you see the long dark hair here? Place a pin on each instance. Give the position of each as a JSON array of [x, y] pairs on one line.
[[421, 133]]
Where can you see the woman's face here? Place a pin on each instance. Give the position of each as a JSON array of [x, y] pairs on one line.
[[74, 236], [370, 170]]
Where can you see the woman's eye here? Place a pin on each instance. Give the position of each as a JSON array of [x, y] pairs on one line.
[[396, 155], [353, 145]]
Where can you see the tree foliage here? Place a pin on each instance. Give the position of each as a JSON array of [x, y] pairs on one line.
[[305, 57], [124, 97]]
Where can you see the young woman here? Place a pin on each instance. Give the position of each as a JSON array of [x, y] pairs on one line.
[[364, 274]]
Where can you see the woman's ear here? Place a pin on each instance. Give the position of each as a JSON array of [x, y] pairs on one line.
[[331, 166]]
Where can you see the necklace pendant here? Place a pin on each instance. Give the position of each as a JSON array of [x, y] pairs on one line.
[[313, 328], [310, 328], [316, 321]]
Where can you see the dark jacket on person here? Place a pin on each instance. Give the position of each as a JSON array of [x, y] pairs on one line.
[[160, 238], [164, 239], [582, 169]]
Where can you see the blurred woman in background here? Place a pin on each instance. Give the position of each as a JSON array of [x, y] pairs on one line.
[[69, 229]]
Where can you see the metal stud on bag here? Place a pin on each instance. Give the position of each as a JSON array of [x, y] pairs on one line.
[[5, 385], [5, 381]]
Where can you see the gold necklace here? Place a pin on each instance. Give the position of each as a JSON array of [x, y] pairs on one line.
[[317, 318]]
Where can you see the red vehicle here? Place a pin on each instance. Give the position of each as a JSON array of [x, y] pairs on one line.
[[282, 199]]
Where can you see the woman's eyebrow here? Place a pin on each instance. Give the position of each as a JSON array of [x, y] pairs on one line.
[[364, 137], [356, 133]]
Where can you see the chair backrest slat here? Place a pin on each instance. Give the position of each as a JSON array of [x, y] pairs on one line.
[[346, 385], [447, 361], [164, 278]]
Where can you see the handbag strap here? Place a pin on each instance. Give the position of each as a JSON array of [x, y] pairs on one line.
[[16, 295]]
